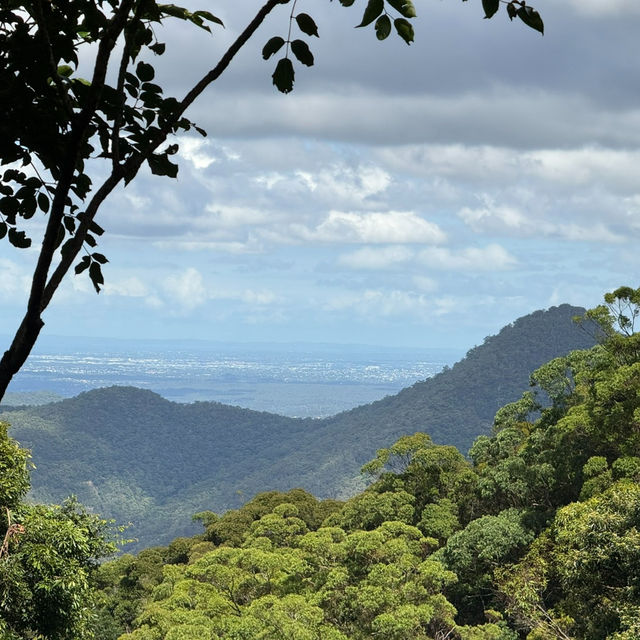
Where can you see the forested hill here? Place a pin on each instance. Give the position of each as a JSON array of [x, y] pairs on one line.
[[134, 456], [453, 407]]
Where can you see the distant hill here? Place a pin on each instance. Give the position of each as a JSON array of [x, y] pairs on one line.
[[132, 455]]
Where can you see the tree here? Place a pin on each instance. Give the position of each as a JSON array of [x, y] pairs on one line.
[[60, 132], [47, 557]]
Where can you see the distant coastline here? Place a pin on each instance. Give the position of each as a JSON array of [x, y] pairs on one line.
[[291, 379]]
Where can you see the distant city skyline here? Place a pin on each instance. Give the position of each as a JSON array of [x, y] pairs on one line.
[[420, 196]]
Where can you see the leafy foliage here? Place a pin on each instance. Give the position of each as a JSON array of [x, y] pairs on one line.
[[135, 457], [47, 558], [563, 567]]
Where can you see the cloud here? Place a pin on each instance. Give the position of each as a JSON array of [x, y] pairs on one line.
[[14, 281], [375, 302], [194, 150], [186, 290], [493, 257], [129, 287], [494, 219], [376, 258], [387, 227]]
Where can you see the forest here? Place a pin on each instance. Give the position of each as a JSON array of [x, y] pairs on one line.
[[533, 535], [133, 456]]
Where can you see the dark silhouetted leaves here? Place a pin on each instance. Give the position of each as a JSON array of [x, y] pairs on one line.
[[307, 24], [43, 202], [98, 257], [158, 48], [301, 51], [512, 11], [160, 165], [490, 7], [19, 239], [383, 27], [3, 229], [404, 29], [95, 273], [284, 75], [273, 45], [531, 18], [373, 10], [145, 72]]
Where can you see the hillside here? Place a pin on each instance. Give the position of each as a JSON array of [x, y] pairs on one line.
[[134, 456]]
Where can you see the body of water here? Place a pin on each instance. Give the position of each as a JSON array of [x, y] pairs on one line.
[[290, 379]]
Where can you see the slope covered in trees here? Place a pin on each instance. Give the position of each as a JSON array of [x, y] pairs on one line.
[[535, 537], [133, 456]]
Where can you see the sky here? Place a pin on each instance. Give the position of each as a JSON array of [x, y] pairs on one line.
[[419, 196]]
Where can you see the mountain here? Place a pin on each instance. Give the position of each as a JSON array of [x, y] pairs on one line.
[[132, 455]]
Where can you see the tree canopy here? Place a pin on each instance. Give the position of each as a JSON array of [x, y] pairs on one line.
[[535, 537]]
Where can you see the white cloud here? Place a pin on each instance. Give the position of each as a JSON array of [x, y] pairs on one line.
[[376, 257], [259, 298], [186, 290], [493, 257], [388, 227], [130, 287], [425, 284], [375, 302], [499, 219], [229, 216], [14, 281], [194, 150]]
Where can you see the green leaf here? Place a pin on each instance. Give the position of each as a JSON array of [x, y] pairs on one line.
[[404, 29], [512, 11], [272, 46], [373, 10], [65, 71], [307, 24], [207, 15], [490, 7], [284, 75], [95, 273], [405, 7], [302, 52], [19, 238], [173, 10], [531, 18], [383, 27], [145, 72]]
